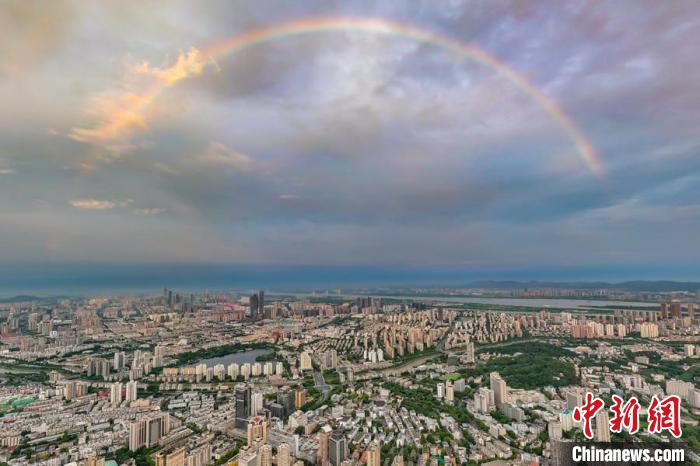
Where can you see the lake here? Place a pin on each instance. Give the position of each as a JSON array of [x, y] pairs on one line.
[[239, 358]]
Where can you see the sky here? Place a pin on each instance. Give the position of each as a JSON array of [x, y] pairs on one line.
[[129, 137]]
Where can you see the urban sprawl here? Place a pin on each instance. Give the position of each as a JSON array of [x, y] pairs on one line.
[[174, 379]]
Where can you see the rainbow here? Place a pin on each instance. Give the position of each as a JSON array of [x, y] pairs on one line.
[[281, 31]]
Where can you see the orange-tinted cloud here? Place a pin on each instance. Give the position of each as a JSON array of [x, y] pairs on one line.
[[98, 204], [124, 112]]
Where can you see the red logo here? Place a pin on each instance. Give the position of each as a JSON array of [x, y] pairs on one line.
[[662, 415], [665, 415], [587, 412], [624, 415]]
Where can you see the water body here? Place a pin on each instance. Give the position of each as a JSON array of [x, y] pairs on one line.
[[533, 302], [241, 357], [541, 303]]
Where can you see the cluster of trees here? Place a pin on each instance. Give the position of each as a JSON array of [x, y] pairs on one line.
[[534, 365]]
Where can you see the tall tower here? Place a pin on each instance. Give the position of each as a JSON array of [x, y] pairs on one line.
[[374, 454], [254, 305], [242, 396], [261, 304], [500, 389], [283, 457], [266, 455], [337, 448], [115, 395], [131, 390], [676, 310], [602, 428], [323, 443]]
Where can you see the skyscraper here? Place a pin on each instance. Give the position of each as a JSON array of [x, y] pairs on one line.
[[254, 306], [115, 394], [119, 360], [256, 403], [242, 395], [676, 310], [374, 454], [131, 390], [602, 428], [265, 454], [337, 448], [324, 437], [283, 456], [500, 389], [146, 431], [261, 304], [257, 430]]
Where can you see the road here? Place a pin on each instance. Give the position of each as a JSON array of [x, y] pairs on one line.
[[320, 383]]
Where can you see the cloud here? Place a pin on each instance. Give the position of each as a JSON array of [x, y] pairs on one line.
[[149, 211], [220, 155], [344, 147], [123, 112], [190, 63], [98, 204]]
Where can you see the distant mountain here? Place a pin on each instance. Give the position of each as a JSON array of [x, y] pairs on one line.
[[20, 298], [635, 285]]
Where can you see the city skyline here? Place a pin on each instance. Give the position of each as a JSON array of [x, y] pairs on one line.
[[505, 141]]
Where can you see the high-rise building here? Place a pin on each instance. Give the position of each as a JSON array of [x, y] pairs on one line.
[[337, 448], [283, 456], [649, 330], [691, 311], [131, 390], [554, 430], [330, 359], [374, 452], [257, 430], [157, 356], [265, 454], [261, 304], [285, 397], [254, 303], [574, 398], [119, 360], [171, 458], [449, 392], [470, 353], [200, 456], [147, 431], [115, 394], [500, 389], [94, 460], [248, 457], [242, 396], [676, 310], [299, 397], [440, 387], [484, 400], [305, 361], [602, 428], [324, 438], [256, 403]]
